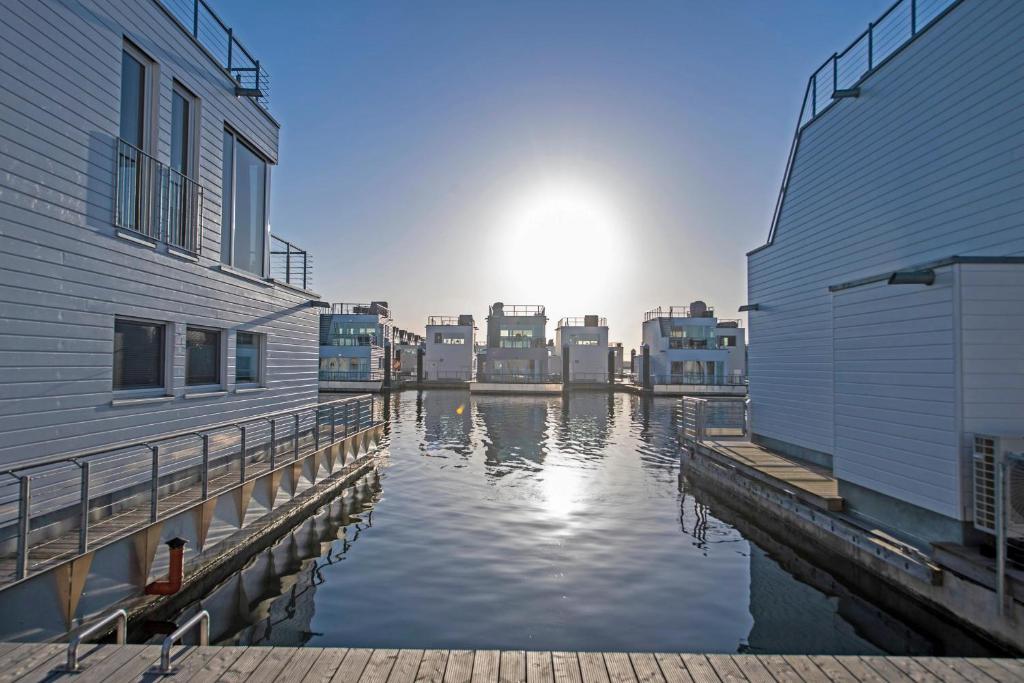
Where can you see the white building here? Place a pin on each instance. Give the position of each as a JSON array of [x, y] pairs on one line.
[[517, 347], [449, 348], [683, 346], [730, 335], [139, 270], [586, 339], [887, 306]]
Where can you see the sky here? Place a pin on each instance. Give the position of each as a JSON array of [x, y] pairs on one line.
[[594, 157]]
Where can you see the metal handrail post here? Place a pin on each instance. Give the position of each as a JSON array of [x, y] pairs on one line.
[[24, 526], [231, 41], [871, 46], [203, 619], [83, 529], [154, 491], [334, 421], [195, 19], [206, 466], [835, 73], [242, 449], [913, 18], [1000, 490], [295, 439], [273, 442], [122, 632], [316, 428]]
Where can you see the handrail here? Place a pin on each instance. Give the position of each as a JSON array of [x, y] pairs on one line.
[[372, 308], [677, 312], [203, 619], [581, 321], [120, 616], [296, 266], [147, 443], [847, 70]]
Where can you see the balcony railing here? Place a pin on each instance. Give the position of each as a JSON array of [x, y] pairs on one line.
[[691, 343], [841, 74], [696, 378], [156, 201], [518, 378], [197, 18], [583, 321], [678, 312], [290, 264], [360, 309], [352, 376], [444, 320], [516, 311]]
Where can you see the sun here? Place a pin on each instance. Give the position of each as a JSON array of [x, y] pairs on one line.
[[561, 233]]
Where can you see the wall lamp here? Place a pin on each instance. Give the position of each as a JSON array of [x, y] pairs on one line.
[[913, 277]]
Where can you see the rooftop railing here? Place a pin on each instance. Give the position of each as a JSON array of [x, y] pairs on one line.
[[446, 320], [290, 264], [841, 74], [360, 309], [198, 19], [583, 321], [510, 311], [156, 201], [678, 312]]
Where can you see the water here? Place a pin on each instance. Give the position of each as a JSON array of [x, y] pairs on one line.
[[544, 523]]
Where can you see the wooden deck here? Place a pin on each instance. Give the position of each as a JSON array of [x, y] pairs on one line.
[[37, 662], [811, 484]]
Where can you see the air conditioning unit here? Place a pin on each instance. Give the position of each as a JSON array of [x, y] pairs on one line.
[[991, 452]]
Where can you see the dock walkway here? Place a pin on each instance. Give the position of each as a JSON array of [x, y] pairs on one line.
[[28, 662]]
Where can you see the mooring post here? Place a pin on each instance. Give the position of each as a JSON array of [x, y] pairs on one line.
[[646, 349], [419, 366], [566, 379]]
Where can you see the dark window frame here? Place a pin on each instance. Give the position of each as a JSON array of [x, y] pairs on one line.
[[218, 375], [159, 386], [260, 347]]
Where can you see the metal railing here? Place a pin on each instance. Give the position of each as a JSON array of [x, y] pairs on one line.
[[361, 309], [691, 343], [591, 377], [512, 311], [448, 320], [581, 321], [198, 19], [518, 378], [67, 496], [119, 617], [713, 418], [678, 312], [201, 619], [447, 375], [290, 264], [156, 201], [351, 375], [842, 73], [697, 378]]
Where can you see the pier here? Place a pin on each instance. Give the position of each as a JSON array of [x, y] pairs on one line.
[[27, 663]]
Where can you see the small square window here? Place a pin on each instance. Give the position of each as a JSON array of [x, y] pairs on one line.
[[138, 355], [248, 358], [202, 356]]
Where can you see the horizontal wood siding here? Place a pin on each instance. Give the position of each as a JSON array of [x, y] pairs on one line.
[[895, 392], [65, 275], [992, 330], [927, 163]]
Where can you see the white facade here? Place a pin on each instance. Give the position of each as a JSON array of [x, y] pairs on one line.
[[730, 335], [68, 273], [450, 348], [683, 345], [882, 381], [587, 340]]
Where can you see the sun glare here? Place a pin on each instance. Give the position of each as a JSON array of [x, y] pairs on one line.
[[561, 234]]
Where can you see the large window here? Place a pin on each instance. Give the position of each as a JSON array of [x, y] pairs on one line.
[[138, 355], [244, 209], [248, 352], [202, 356], [133, 98]]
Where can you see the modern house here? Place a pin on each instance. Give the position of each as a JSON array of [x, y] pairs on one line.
[[585, 340], [156, 340], [407, 348], [355, 344], [730, 335], [886, 303], [681, 352], [449, 348], [516, 344]]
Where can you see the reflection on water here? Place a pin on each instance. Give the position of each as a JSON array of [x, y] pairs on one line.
[[541, 523]]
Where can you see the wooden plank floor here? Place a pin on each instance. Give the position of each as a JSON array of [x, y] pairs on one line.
[[30, 662], [815, 485]]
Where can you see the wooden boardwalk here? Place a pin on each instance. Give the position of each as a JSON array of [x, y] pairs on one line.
[[27, 662], [811, 484]]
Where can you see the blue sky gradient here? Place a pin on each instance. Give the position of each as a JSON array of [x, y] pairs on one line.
[[413, 130]]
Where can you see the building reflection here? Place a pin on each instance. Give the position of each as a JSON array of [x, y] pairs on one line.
[[585, 422], [447, 420], [514, 429]]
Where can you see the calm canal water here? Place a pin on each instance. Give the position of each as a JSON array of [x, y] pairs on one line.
[[543, 523]]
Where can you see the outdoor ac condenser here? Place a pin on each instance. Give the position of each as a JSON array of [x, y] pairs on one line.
[[991, 452]]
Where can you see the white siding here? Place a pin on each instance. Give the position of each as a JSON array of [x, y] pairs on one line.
[[63, 273], [992, 348], [895, 391], [927, 163]]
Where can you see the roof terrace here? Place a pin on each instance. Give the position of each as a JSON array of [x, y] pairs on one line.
[[680, 312], [199, 20], [373, 308], [583, 321], [511, 310], [463, 320]]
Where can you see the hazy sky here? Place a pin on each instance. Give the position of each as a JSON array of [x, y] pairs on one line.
[[594, 157]]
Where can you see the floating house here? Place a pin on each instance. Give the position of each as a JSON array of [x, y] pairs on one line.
[[887, 300], [517, 348], [584, 340], [449, 353], [407, 348], [355, 345], [683, 354]]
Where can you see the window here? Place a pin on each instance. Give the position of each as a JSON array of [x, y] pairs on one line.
[[138, 355], [727, 341], [454, 340], [243, 202], [437, 337], [133, 98], [248, 358], [202, 356]]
